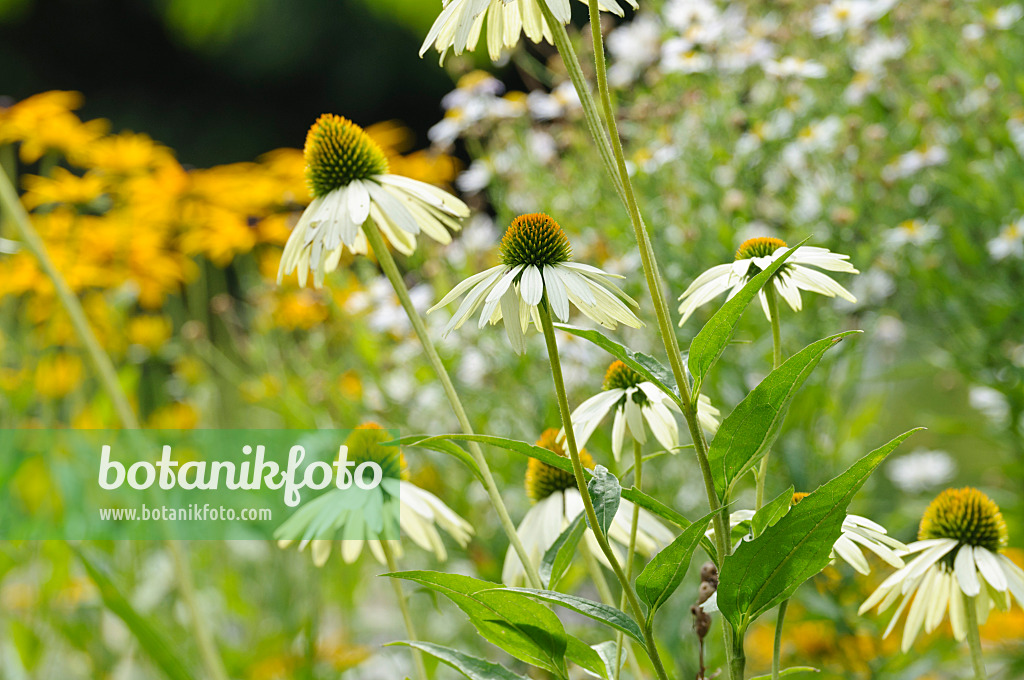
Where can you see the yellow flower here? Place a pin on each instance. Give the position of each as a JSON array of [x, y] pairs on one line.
[[176, 416], [126, 153], [217, 233], [62, 186], [44, 122], [300, 309], [57, 375], [150, 331]]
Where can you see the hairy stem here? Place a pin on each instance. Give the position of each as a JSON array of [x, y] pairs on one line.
[[777, 649], [387, 264], [773, 309], [581, 483], [403, 605], [974, 638]]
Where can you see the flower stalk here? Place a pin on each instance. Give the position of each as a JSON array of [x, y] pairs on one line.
[[773, 309], [633, 527], [403, 605], [588, 502], [387, 264], [777, 647], [974, 638]]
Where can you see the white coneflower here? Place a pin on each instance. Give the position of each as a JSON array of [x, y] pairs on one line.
[[536, 268], [1009, 243], [419, 512], [757, 254], [636, 400], [958, 553], [350, 183], [461, 22], [557, 502]]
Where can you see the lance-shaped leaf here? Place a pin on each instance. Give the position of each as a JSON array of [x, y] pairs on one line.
[[753, 426], [587, 658], [442, 446], [558, 556], [712, 340], [472, 667], [644, 364], [666, 570], [767, 570], [605, 492], [525, 629], [608, 615], [771, 512]]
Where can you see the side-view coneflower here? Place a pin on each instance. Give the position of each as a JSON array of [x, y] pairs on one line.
[[635, 400], [350, 182], [799, 272], [959, 567], [329, 517], [557, 502], [536, 267], [460, 24]]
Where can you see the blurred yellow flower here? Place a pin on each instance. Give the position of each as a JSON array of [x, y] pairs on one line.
[[57, 375], [300, 309], [150, 331], [126, 153], [44, 123], [176, 416], [62, 186]]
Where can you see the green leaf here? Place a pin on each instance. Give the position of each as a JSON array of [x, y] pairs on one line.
[[558, 557], [441, 446], [788, 672], [608, 615], [605, 492], [586, 657], [472, 667], [767, 570], [771, 512], [666, 570], [609, 653], [527, 630], [647, 366], [753, 426], [163, 653], [712, 340]]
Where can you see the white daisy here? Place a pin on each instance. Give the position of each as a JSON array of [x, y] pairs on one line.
[[349, 179], [536, 268], [1009, 243], [794, 67], [420, 512], [756, 254], [914, 232], [461, 22], [635, 400], [958, 564], [557, 502]]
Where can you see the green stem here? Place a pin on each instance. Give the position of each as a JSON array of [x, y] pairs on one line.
[[104, 368], [581, 483], [387, 264], [403, 605], [601, 583], [974, 638], [616, 166], [777, 649], [633, 528], [773, 309]]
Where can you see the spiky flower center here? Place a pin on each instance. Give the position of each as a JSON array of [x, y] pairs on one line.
[[337, 152], [762, 246], [619, 376], [967, 515], [534, 239], [366, 445], [798, 496], [542, 479]]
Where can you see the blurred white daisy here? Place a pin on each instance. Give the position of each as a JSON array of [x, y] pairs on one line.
[[756, 254], [350, 183], [679, 56], [420, 513], [461, 22], [634, 401], [914, 232], [536, 268], [921, 470], [794, 67], [557, 502], [1009, 243], [958, 564]]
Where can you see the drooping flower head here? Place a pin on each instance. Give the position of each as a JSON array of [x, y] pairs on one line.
[[557, 502], [418, 510], [635, 400], [461, 22], [351, 183], [959, 557], [536, 268], [799, 272]]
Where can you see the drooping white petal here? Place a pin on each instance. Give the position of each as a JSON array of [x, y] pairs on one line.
[[966, 572]]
